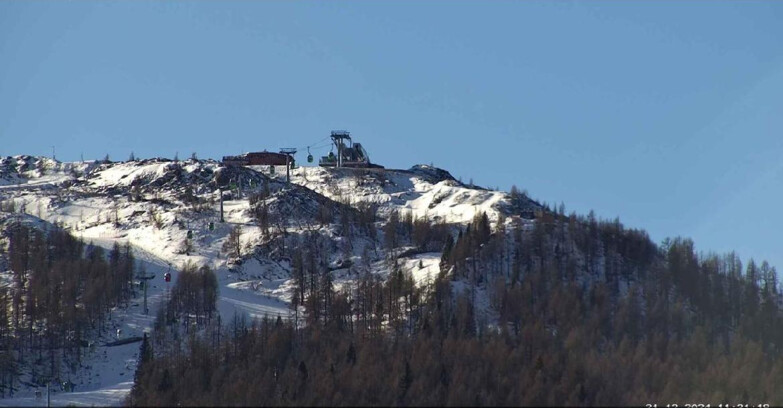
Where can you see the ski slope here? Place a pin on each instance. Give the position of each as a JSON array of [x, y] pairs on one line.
[[95, 202]]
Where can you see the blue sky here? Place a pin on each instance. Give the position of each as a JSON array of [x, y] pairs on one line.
[[666, 114]]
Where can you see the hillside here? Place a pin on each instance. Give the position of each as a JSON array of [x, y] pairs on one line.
[[394, 270], [154, 204]]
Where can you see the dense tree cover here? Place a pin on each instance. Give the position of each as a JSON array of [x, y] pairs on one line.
[[582, 312], [190, 304], [60, 295], [195, 293]]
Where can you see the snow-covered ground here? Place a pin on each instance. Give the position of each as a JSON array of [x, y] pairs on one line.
[[146, 204], [422, 191], [108, 376]]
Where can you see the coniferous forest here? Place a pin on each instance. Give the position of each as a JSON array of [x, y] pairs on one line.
[[279, 203], [582, 312], [59, 298]]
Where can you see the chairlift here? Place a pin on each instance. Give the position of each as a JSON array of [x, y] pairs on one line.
[[309, 155]]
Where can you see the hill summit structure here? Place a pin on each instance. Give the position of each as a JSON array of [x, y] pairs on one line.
[[348, 154]]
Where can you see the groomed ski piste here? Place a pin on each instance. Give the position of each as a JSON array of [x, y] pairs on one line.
[[149, 204]]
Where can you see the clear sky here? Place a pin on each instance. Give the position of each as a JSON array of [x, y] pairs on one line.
[[666, 114]]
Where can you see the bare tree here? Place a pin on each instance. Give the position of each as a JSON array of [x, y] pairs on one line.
[[233, 245]]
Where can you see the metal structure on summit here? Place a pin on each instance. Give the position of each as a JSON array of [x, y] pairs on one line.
[[349, 154]]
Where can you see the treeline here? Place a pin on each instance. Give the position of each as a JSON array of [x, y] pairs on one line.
[[193, 297], [59, 295], [422, 233], [191, 305], [582, 312]]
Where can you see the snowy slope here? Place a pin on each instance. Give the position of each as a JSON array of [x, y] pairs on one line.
[[152, 204], [28, 171], [423, 191]]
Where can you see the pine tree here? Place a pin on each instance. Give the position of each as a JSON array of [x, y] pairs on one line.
[[404, 384], [145, 357]]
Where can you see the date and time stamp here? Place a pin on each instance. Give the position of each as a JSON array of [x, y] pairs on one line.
[[707, 405]]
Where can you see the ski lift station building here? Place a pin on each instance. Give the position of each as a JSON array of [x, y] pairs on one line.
[[348, 154], [256, 158]]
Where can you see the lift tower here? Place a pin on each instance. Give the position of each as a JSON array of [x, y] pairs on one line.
[[144, 281], [289, 158], [339, 137]]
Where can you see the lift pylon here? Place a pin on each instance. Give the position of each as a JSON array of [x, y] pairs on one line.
[[289, 153]]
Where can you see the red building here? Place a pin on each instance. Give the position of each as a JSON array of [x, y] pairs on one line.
[[256, 158]]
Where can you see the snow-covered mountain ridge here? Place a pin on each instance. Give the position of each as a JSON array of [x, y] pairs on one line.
[[423, 190], [155, 203], [169, 212]]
